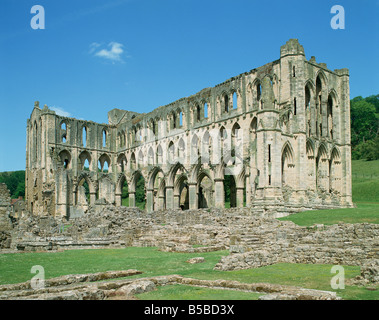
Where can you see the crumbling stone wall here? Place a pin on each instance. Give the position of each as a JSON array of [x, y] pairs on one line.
[[5, 222], [261, 245], [252, 241]]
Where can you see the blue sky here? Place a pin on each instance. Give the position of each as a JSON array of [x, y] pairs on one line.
[[96, 55]]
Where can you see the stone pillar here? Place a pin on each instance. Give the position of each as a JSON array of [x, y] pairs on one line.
[[118, 199], [176, 201], [92, 197], [239, 197], [248, 191], [161, 203], [150, 200], [219, 194], [193, 202], [169, 197], [132, 199]]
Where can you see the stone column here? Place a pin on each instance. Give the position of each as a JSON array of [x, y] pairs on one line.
[[248, 191], [150, 200], [169, 197], [219, 194], [176, 201], [132, 199], [161, 203], [193, 202], [118, 199], [239, 196], [92, 197]]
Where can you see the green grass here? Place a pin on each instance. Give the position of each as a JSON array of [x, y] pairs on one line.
[[184, 292], [16, 267], [365, 181], [125, 203], [365, 212]]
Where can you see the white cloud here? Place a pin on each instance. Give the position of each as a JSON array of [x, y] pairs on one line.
[[113, 52], [61, 112], [93, 46]]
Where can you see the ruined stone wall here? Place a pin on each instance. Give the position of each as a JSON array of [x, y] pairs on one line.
[[281, 131], [252, 241], [5, 222], [340, 244]]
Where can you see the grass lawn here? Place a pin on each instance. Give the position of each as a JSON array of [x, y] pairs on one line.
[[16, 268], [365, 212], [184, 292], [125, 203], [365, 181]]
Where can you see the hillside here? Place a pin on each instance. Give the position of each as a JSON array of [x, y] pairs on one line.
[[365, 181]]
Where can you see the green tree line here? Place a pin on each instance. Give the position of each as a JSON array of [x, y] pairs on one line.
[[364, 113], [15, 181]]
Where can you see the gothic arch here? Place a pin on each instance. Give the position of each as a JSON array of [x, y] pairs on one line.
[[287, 165]]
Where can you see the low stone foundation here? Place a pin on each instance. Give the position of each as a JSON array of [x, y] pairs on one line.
[[252, 241], [87, 287]]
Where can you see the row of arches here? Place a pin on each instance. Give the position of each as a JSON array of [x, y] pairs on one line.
[[323, 170], [207, 147], [157, 191], [204, 186]]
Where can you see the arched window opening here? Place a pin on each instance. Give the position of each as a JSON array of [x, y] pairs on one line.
[[205, 192], [133, 162], [140, 199], [307, 98], [230, 191], [83, 198], [174, 121], [330, 117], [181, 151], [153, 128], [259, 91], [226, 103], [159, 155], [65, 158], [84, 137], [198, 113], [121, 163], [294, 106], [124, 194], [181, 119], [318, 93], [150, 160], [85, 160], [171, 152], [86, 165], [104, 138], [235, 106], [205, 110]]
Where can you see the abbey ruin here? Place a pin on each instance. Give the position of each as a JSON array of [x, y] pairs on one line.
[[281, 132]]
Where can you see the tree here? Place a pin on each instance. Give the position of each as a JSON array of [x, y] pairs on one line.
[[364, 123], [374, 100]]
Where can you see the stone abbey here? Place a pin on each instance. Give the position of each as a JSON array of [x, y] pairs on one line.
[[278, 135]]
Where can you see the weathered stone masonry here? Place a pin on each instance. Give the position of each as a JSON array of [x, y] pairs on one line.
[[285, 126]]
